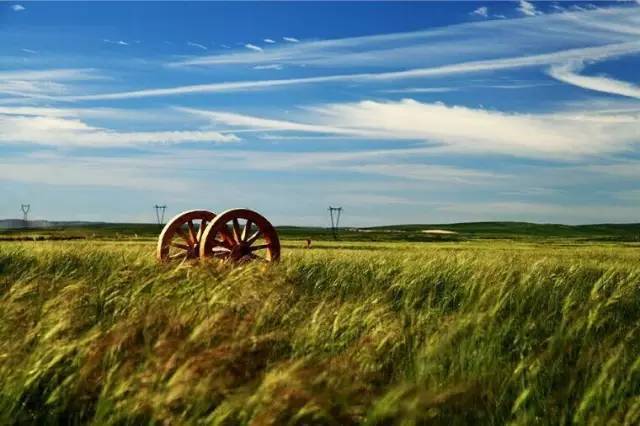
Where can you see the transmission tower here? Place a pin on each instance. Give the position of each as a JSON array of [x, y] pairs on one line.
[[25, 213], [335, 213], [160, 213]]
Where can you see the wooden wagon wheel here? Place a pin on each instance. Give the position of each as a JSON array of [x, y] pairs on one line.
[[181, 236], [240, 235]]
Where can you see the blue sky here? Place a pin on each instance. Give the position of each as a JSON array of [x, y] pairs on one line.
[[427, 112]]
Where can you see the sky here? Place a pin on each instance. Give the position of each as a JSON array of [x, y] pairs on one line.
[[416, 112]]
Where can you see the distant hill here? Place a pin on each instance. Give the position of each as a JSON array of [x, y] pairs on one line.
[[411, 232], [513, 229], [41, 224]]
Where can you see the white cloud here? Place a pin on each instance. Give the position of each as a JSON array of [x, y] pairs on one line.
[[458, 129], [291, 39], [44, 84], [268, 67], [17, 8], [450, 44], [593, 53], [31, 51], [427, 172], [528, 9], [53, 74], [482, 11], [197, 45], [87, 171], [568, 73], [118, 42], [421, 90], [569, 212], [53, 128], [31, 88], [268, 40], [265, 124], [253, 47]]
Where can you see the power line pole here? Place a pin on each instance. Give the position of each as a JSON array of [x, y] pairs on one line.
[[160, 213], [25, 214], [335, 220]]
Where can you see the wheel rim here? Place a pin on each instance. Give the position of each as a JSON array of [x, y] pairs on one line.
[[180, 238], [240, 235]]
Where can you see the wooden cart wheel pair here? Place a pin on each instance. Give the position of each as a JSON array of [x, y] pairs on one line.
[[236, 235]]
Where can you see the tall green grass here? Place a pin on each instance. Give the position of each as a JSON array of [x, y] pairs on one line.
[[386, 334]]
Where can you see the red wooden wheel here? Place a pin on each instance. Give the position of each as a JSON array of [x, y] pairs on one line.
[[181, 236], [240, 235]]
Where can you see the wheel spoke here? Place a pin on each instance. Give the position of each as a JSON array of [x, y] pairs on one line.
[[178, 255], [181, 246], [259, 247], [236, 230], [252, 239], [246, 230], [226, 244], [220, 252], [184, 236], [227, 237], [192, 232], [203, 226]]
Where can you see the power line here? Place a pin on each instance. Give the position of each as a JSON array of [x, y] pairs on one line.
[[335, 220], [160, 213], [25, 213]]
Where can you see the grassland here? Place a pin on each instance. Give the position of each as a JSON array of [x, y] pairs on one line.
[[468, 332], [518, 231]]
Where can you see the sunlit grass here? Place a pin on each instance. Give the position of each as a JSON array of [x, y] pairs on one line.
[[378, 333]]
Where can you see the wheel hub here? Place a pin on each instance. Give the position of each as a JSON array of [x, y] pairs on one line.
[[239, 251]]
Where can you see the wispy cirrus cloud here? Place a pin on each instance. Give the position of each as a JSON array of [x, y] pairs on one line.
[[569, 73], [117, 42], [438, 46], [17, 8], [593, 53], [197, 45], [482, 11], [253, 47], [57, 127], [457, 129], [528, 8], [44, 84], [291, 39], [268, 67], [53, 74]]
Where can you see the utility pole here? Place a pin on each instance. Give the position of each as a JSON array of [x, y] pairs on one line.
[[25, 214], [335, 220], [160, 213]]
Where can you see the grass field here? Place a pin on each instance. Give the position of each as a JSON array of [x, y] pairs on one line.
[[469, 332]]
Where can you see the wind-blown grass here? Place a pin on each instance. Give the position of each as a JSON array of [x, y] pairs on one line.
[[399, 333]]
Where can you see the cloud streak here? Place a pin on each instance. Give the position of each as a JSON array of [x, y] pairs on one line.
[[457, 129], [253, 47], [197, 45], [482, 11], [592, 53], [528, 9], [568, 73], [54, 127]]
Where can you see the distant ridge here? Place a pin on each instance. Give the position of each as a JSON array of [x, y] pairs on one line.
[[505, 229], [42, 224]]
